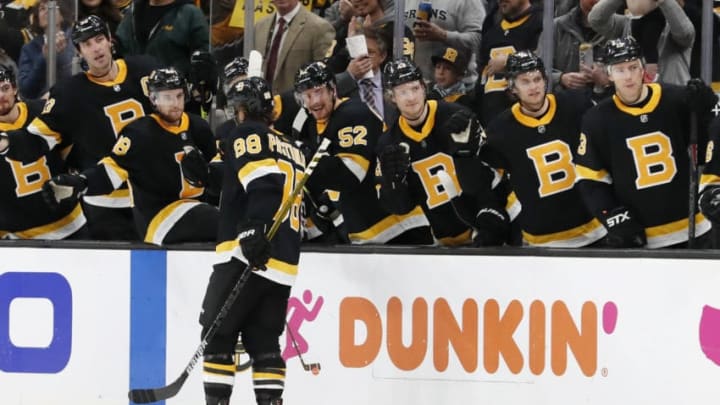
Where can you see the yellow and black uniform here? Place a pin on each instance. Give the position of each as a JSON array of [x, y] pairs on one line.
[[288, 117], [430, 152], [261, 169], [354, 130], [23, 212], [89, 115], [147, 156], [503, 38], [635, 156], [537, 154], [711, 172]]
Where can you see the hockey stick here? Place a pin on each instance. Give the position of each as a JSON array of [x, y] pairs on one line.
[[147, 395], [312, 367], [693, 194]]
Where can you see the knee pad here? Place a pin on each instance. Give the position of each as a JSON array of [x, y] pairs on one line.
[[218, 378]]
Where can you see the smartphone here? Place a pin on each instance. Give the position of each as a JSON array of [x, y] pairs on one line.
[[424, 11], [586, 54]]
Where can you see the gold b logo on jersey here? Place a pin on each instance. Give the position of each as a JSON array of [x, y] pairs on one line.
[[450, 54]]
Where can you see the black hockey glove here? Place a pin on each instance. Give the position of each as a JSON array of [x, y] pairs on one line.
[[63, 187], [492, 227], [325, 208], [194, 167], [394, 163], [700, 97], [254, 244], [623, 230], [710, 204], [203, 76], [465, 131]]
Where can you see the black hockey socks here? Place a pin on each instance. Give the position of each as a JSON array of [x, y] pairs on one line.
[[268, 378]]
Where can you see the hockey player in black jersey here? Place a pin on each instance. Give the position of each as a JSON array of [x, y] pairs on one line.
[[349, 170], [511, 26], [261, 168], [163, 157], [632, 161], [419, 159], [87, 112], [533, 142], [23, 213]]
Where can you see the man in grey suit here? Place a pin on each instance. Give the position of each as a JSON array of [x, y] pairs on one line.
[[289, 38], [351, 83]]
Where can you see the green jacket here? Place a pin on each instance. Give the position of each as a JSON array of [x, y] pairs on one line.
[[181, 31]]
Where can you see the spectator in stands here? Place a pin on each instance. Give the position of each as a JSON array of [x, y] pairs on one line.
[[575, 68], [668, 44], [455, 23], [288, 39], [512, 25], [351, 82], [169, 30], [450, 66], [105, 9], [693, 9], [33, 55], [367, 13]]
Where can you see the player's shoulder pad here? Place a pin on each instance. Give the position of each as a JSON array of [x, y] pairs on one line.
[[353, 111], [197, 123], [245, 129], [140, 127], [445, 110], [223, 130], [34, 107]]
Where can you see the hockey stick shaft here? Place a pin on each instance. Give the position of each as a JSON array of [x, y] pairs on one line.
[[693, 192], [142, 396]]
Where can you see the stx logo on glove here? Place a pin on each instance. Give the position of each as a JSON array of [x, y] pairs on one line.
[[618, 218]]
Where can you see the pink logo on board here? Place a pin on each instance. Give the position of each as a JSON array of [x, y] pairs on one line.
[[710, 333], [299, 312]]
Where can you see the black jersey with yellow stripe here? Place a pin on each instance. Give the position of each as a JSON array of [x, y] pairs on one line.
[[261, 168], [90, 114], [429, 146], [147, 155], [350, 170], [639, 152], [502, 39], [537, 153], [23, 212]]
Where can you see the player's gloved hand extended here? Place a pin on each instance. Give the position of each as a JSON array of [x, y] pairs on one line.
[[203, 76], [254, 244], [394, 163], [710, 204], [194, 167], [700, 97], [63, 187], [492, 227], [624, 231], [325, 208], [465, 133]]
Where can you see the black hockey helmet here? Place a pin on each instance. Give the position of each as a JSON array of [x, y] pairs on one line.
[[313, 74], [166, 79], [523, 62], [400, 71], [621, 50], [236, 67], [253, 95], [87, 28], [7, 74]]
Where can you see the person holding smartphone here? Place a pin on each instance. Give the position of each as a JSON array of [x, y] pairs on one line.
[[454, 23]]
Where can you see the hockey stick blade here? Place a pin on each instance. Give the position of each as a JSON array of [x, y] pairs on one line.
[[148, 395]]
